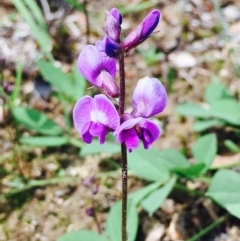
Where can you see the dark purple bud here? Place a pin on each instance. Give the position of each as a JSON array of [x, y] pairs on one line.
[[95, 189], [112, 48], [89, 212], [113, 25], [142, 31], [89, 181]]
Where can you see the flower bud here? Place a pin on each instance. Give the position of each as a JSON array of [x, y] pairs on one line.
[[142, 31], [113, 25], [112, 48]]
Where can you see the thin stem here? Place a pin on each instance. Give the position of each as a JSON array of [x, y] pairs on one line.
[[87, 20], [209, 228], [123, 151]]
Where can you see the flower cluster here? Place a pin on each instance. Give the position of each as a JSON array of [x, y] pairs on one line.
[[97, 116]]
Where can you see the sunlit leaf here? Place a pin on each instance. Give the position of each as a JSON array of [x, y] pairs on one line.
[[147, 164], [36, 120], [228, 110], [45, 140], [195, 110], [140, 194], [156, 198], [225, 190], [82, 235], [216, 91], [173, 158], [203, 125], [114, 222], [205, 149]]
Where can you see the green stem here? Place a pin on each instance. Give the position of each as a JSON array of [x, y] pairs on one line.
[[209, 228], [123, 150]]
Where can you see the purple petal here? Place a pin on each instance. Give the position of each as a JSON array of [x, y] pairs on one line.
[[90, 64], [81, 113], [127, 125], [100, 45], [149, 23], [131, 139], [149, 132], [108, 84], [106, 112], [109, 64], [132, 39], [98, 129], [87, 137], [113, 26], [112, 48], [115, 13], [149, 98]]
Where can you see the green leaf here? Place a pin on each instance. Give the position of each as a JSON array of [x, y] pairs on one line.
[[140, 194], [114, 222], [156, 198], [216, 91], [191, 171], [195, 110], [227, 110], [205, 149], [225, 190], [232, 146], [36, 120], [82, 235], [45, 140], [95, 147], [203, 125], [146, 164], [73, 86], [173, 158]]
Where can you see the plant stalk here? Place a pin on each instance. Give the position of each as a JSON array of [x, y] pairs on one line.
[[123, 150]]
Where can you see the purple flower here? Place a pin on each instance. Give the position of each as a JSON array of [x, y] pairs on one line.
[[149, 98], [98, 69], [95, 117], [142, 31], [134, 129], [113, 25]]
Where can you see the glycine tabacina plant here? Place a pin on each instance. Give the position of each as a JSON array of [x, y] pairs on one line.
[[97, 116]]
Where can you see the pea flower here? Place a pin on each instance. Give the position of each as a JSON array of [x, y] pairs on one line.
[[142, 31], [98, 69], [149, 99], [95, 117]]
